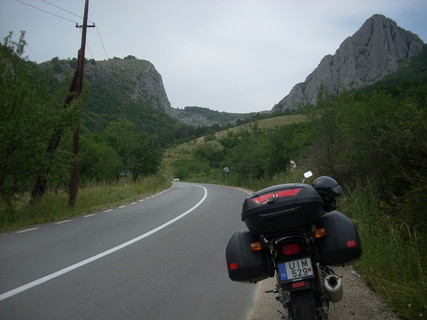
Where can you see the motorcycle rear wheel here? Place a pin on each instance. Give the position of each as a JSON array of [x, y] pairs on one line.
[[303, 305]]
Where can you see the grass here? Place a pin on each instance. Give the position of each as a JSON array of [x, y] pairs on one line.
[[394, 261], [268, 123], [54, 207]]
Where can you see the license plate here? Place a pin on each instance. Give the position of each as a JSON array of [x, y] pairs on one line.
[[295, 270]]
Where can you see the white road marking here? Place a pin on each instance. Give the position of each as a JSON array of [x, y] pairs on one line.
[[89, 215], [108, 210], [26, 230], [121, 207], [56, 274], [61, 222], [131, 204]]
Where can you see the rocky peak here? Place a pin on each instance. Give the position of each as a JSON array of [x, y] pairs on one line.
[[137, 80], [374, 51]]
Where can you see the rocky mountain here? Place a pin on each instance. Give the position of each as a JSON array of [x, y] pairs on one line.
[[137, 80], [377, 49]]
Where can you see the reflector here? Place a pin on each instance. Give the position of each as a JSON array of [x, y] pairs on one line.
[[233, 266], [299, 284], [279, 194], [290, 249], [351, 243]]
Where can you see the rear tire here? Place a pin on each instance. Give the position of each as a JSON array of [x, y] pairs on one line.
[[303, 305]]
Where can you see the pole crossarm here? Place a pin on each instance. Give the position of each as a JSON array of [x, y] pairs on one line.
[[88, 25]]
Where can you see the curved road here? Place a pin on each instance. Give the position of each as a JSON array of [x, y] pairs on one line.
[[158, 258]]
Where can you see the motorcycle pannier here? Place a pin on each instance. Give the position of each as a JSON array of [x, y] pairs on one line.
[[282, 207], [243, 264], [341, 245]]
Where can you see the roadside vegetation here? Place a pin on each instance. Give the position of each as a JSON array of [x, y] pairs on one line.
[[372, 141], [118, 163], [54, 206]]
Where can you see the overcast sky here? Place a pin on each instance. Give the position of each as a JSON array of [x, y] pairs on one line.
[[226, 55]]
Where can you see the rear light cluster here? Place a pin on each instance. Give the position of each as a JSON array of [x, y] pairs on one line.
[[262, 199], [290, 249]]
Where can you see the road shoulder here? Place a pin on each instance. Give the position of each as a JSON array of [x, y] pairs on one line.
[[359, 302]]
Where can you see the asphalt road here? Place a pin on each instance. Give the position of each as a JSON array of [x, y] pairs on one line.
[[157, 258]]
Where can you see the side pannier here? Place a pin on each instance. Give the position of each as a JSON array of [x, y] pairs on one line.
[[341, 246], [244, 264]]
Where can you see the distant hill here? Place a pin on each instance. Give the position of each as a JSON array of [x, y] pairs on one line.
[[208, 117], [377, 49]]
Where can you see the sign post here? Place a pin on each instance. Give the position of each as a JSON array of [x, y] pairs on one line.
[[226, 170]]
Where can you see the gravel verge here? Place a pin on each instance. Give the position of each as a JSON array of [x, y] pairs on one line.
[[359, 302]]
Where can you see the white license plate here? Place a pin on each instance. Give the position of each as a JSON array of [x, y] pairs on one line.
[[295, 270]]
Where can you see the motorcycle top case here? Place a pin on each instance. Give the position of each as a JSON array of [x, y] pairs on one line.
[[282, 207], [341, 246], [245, 265]]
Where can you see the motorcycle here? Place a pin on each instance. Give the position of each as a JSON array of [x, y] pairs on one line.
[[296, 234]]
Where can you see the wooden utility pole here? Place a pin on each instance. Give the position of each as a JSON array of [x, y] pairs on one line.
[[74, 175], [75, 90]]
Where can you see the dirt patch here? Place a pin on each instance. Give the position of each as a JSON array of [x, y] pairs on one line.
[[358, 302]]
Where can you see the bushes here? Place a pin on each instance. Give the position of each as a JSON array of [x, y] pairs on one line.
[[393, 261]]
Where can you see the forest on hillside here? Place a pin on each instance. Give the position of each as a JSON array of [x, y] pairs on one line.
[[119, 139]]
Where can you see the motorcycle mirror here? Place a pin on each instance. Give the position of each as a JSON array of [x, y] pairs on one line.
[[308, 174]]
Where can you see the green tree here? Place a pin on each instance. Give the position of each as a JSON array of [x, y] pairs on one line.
[[26, 117], [138, 152], [388, 132], [99, 161], [212, 151], [327, 140], [56, 65]]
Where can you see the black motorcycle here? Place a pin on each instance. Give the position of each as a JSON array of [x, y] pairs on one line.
[[296, 234]]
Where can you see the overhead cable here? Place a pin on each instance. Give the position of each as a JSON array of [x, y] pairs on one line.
[[53, 14], [54, 5], [102, 42]]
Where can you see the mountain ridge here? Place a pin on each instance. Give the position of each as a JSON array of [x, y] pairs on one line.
[[377, 49]]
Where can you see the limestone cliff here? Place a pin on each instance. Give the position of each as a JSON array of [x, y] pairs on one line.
[[378, 48], [136, 80]]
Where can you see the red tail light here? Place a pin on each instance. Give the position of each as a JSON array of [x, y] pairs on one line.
[[290, 249], [279, 194], [298, 284]]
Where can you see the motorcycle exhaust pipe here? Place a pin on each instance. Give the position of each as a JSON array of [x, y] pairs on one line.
[[334, 288]]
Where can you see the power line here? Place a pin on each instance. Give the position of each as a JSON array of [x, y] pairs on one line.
[[65, 10], [53, 14], [60, 8], [102, 42]]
